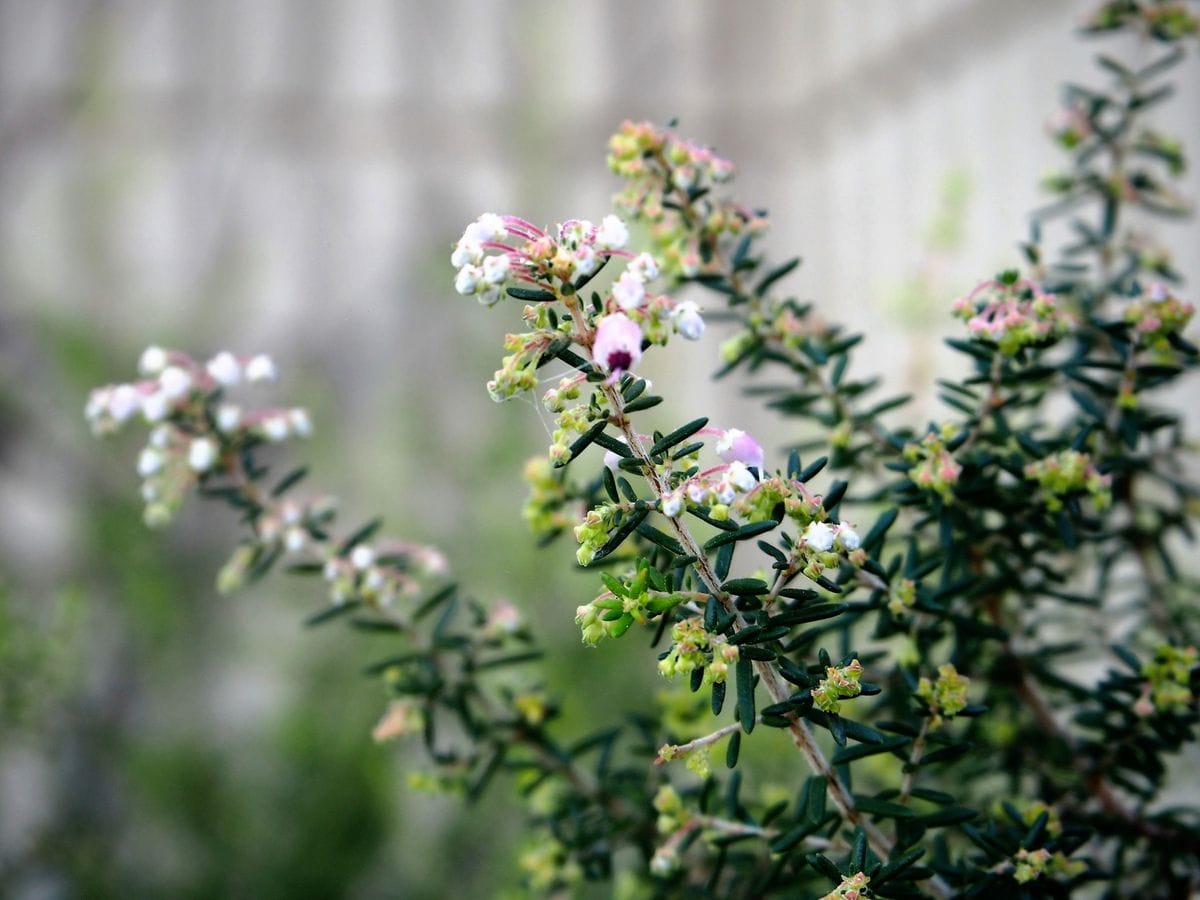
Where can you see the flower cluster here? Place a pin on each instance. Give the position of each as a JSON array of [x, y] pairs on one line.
[[1168, 680], [1158, 315], [1165, 20], [498, 254], [695, 648], [403, 717], [543, 509], [196, 432], [1066, 473], [840, 683], [495, 251], [381, 573], [853, 887], [548, 864], [199, 436], [1070, 126], [901, 596], [946, 696], [933, 466], [1013, 313], [643, 594], [666, 175], [1030, 865]]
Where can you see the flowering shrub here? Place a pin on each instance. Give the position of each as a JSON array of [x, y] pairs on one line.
[[905, 608]]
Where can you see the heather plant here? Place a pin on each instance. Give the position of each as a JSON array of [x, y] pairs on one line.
[[974, 639]]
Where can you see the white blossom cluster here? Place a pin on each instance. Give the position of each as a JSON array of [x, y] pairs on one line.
[[195, 431]]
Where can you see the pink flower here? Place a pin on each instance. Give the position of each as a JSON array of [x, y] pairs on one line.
[[737, 446], [629, 291], [618, 344]]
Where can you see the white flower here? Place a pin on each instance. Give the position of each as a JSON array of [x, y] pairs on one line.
[[585, 262], [466, 253], [291, 513], [672, 505], [268, 529], [688, 321], [261, 369], [848, 538], [150, 491], [152, 361], [150, 462], [612, 461], [175, 382], [155, 407], [490, 297], [467, 279], [575, 232], [123, 402], [629, 291], [97, 404], [488, 227], [697, 492], [374, 580], [612, 234], [495, 269], [725, 492], [295, 539], [362, 556], [644, 267], [275, 428], [333, 570], [819, 536], [740, 477], [225, 369], [300, 422], [202, 454], [160, 437], [229, 417]]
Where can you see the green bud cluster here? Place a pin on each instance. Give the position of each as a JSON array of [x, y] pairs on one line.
[[1156, 318], [853, 887], [901, 596], [933, 466], [518, 370], [946, 696], [840, 683], [1030, 865], [695, 648], [637, 598], [543, 509], [548, 865], [672, 814], [1169, 677], [1067, 473], [592, 533]]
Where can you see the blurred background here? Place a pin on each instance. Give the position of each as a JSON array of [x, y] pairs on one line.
[[270, 176]]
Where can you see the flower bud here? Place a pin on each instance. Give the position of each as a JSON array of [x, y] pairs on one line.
[[202, 454], [150, 462], [152, 361], [261, 369], [818, 536], [123, 402], [225, 369], [175, 382], [688, 321]]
